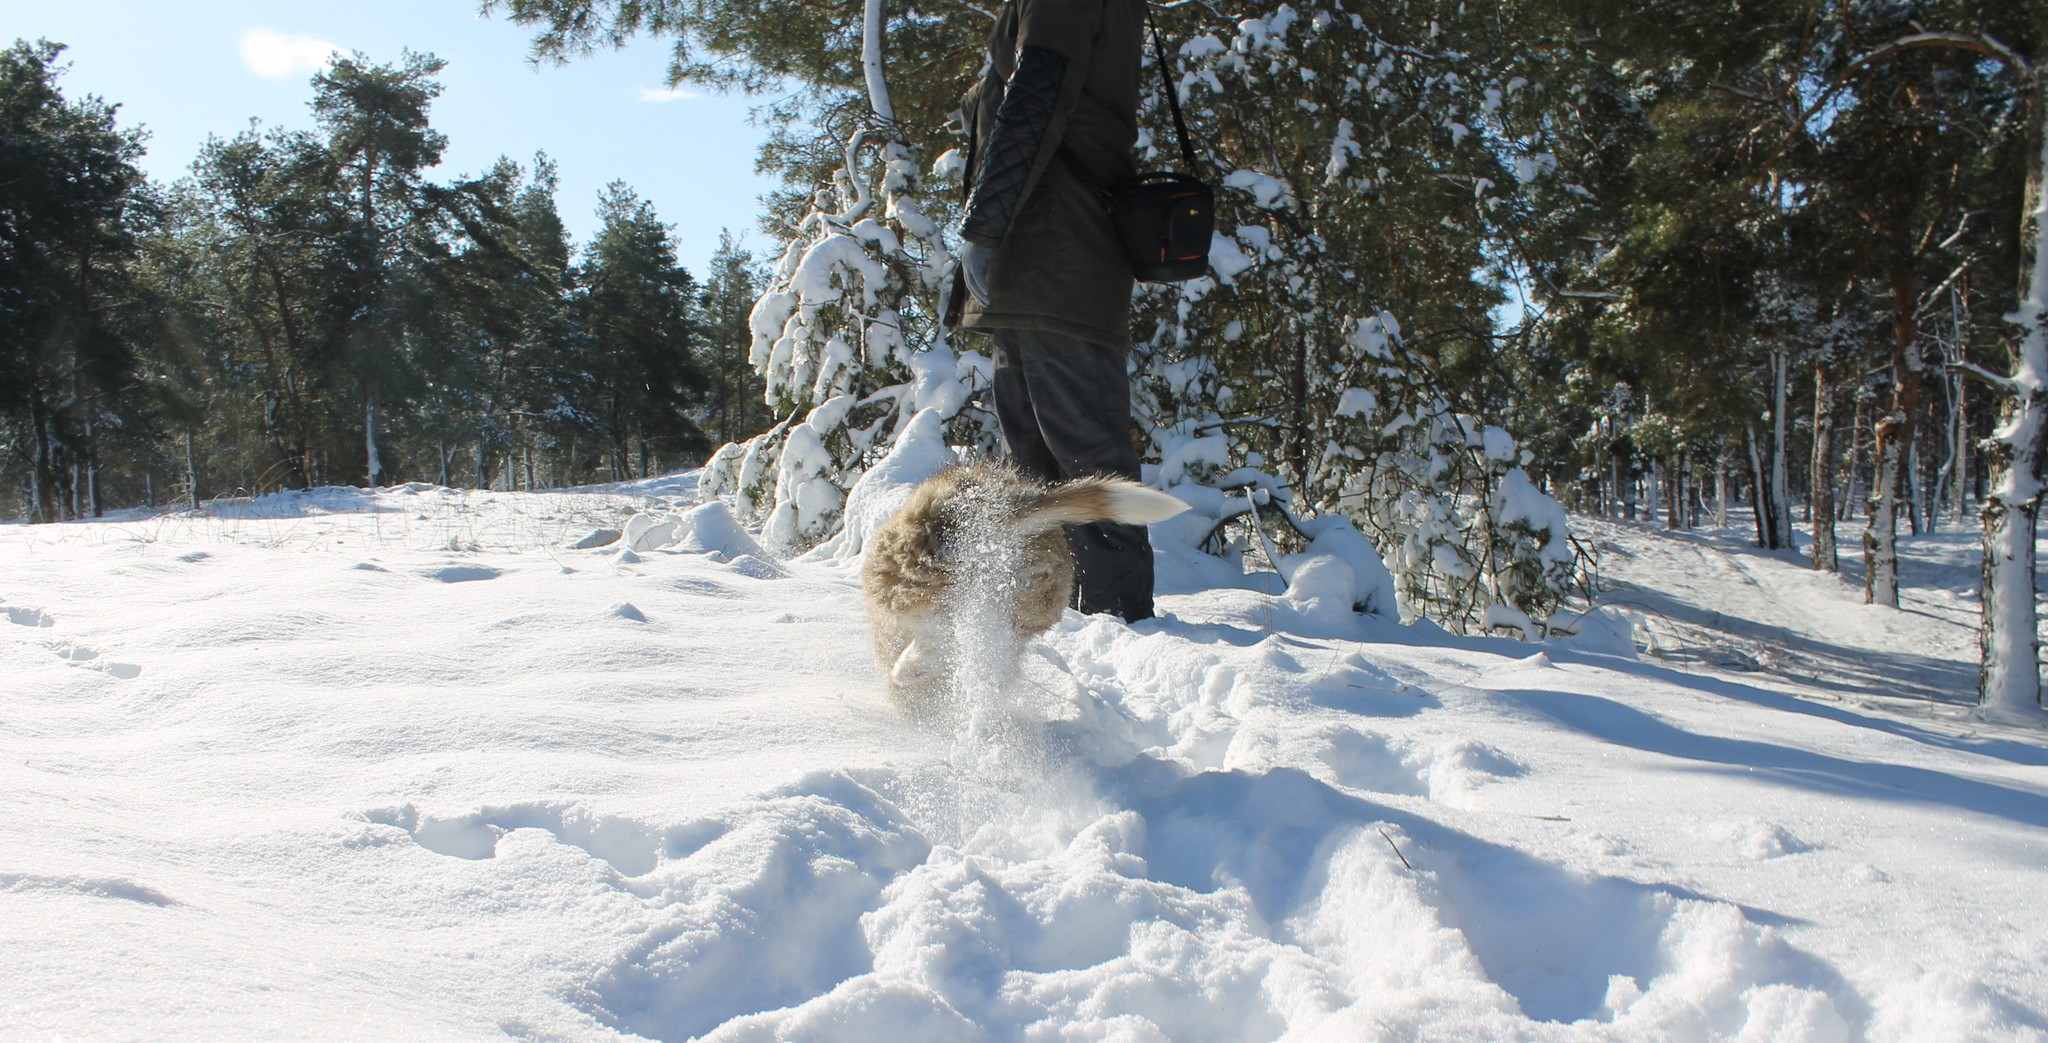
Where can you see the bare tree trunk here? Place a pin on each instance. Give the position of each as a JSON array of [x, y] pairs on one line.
[[1653, 490], [1894, 452], [191, 474], [1695, 493], [1961, 476], [1853, 481], [1949, 476], [873, 66], [2009, 674], [1674, 493], [1881, 536], [1721, 488], [1614, 493], [1821, 486], [1911, 497], [1919, 504], [1757, 498], [1781, 492], [374, 470], [640, 432], [92, 471], [46, 504]]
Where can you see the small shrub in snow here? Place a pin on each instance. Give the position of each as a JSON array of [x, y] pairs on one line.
[[847, 341]]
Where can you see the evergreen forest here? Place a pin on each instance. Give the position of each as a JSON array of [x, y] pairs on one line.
[[311, 308]]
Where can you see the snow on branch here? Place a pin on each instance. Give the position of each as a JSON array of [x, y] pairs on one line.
[[1971, 369]]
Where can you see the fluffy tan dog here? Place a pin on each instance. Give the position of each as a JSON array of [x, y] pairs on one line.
[[978, 552]]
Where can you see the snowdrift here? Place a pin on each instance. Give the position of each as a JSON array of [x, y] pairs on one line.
[[411, 763]]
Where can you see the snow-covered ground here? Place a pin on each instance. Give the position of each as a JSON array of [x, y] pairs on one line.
[[405, 764]]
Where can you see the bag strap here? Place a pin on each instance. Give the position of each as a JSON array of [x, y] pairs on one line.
[[1180, 125]]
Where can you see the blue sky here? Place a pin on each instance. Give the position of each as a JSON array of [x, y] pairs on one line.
[[188, 69]]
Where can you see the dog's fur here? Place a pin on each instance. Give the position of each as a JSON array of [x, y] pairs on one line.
[[982, 537]]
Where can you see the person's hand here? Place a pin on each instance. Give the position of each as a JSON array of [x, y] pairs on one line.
[[974, 261]]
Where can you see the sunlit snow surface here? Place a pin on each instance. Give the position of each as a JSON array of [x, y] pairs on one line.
[[403, 764]]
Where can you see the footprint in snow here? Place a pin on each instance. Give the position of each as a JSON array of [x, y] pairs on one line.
[[76, 655], [29, 617], [463, 573], [79, 655], [627, 846], [84, 656]]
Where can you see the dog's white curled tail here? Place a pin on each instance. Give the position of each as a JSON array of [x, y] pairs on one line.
[[1087, 500]]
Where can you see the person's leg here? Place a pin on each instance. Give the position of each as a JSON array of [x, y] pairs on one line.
[[1015, 413], [1076, 421]]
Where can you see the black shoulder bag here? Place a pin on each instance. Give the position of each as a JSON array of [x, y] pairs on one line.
[[1166, 218]]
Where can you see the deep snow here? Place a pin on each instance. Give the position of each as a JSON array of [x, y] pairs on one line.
[[404, 764]]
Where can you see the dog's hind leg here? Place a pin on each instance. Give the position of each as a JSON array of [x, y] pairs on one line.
[[913, 668]]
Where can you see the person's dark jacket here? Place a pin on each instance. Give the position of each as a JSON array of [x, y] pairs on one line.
[[1050, 127]]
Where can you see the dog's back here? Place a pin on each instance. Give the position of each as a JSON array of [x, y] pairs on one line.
[[989, 535]]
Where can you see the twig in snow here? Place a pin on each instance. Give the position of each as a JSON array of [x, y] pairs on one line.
[[1397, 852]]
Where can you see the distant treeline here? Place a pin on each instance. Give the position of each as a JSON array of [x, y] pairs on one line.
[[307, 308]]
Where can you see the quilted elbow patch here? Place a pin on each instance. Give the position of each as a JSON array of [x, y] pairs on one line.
[[1021, 125]]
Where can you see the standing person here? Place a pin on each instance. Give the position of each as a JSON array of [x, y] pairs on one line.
[[1050, 126]]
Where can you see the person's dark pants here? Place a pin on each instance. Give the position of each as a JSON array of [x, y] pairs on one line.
[[1065, 408]]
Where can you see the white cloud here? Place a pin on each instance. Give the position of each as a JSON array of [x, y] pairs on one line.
[[664, 95], [278, 56]]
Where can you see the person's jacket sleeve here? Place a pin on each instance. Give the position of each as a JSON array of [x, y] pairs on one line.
[[1054, 41]]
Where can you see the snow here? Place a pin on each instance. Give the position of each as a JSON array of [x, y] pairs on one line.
[[402, 763], [1343, 149], [917, 454], [1522, 504], [1267, 192], [1356, 402]]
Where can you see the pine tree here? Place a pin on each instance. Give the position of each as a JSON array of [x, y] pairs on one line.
[[737, 409], [378, 135], [70, 207], [641, 340]]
